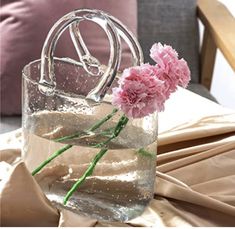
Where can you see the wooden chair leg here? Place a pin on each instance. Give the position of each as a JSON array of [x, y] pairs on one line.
[[208, 54]]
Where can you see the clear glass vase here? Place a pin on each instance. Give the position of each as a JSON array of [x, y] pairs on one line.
[[70, 102]]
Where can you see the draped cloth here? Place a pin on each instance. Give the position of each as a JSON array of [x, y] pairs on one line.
[[195, 178]]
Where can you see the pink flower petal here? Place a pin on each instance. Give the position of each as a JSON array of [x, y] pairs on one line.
[[144, 89]]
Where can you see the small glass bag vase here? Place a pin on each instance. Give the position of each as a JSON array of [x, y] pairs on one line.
[[63, 97]]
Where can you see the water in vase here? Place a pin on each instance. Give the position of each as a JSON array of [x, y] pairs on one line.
[[121, 185]]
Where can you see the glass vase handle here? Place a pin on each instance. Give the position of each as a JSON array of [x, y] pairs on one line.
[[113, 28]]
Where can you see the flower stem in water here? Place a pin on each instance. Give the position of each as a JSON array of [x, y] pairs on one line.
[[87, 173], [53, 156], [118, 128], [66, 147], [94, 127]]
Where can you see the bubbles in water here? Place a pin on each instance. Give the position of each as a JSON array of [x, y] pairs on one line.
[[122, 183]]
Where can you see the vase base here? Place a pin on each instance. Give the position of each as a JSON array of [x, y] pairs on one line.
[[99, 207]]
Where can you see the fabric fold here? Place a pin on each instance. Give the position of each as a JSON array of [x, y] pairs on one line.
[[22, 201]]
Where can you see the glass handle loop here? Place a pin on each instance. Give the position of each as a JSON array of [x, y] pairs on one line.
[[113, 29]]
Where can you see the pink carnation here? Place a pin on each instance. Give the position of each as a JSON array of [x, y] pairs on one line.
[[140, 92], [174, 71], [163, 55], [144, 89]]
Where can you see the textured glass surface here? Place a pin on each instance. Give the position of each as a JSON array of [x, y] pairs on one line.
[[62, 97], [122, 183]]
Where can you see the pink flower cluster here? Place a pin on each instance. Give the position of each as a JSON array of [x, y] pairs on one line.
[[144, 89]]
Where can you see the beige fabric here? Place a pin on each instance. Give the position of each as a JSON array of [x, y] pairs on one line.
[[195, 179], [22, 201], [70, 219]]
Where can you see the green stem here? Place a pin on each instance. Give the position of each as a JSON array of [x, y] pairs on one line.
[[63, 149], [120, 125], [53, 156], [87, 173], [105, 119], [145, 153], [94, 127], [118, 128], [107, 132]]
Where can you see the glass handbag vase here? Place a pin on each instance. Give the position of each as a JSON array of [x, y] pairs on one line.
[[63, 100]]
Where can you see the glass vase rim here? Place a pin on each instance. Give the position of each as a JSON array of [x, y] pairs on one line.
[[59, 92]]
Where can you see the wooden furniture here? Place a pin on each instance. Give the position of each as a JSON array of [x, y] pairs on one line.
[[219, 33]]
